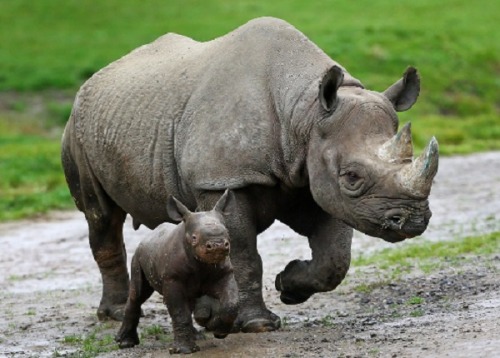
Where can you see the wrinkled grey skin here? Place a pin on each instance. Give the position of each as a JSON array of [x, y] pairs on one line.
[[183, 264], [264, 112]]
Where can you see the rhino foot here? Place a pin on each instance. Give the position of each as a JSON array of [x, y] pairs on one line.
[[183, 348], [250, 319], [261, 324], [127, 338], [113, 312], [293, 283], [293, 298]]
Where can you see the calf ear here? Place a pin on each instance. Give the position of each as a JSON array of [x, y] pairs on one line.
[[176, 210], [404, 93], [224, 202], [328, 87]]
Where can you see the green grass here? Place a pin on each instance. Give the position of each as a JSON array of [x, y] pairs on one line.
[[429, 255], [31, 179], [58, 44], [91, 344], [156, 332]]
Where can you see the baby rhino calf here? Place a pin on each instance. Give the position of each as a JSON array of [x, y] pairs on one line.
[[184, 263]]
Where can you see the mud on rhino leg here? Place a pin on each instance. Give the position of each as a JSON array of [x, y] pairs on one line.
[[106, 242], [105, 221], [253, 315], [330, 242]]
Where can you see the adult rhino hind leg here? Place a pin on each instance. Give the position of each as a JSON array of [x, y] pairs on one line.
[[105, 221], [330, 242], [253, 315]]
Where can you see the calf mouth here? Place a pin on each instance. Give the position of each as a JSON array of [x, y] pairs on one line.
[[213, 251], [213, 257]]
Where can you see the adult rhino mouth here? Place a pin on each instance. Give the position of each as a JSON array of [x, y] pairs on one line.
[[400, 224]]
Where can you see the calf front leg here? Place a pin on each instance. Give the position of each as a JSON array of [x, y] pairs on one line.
[[178, 305], [330, 242]]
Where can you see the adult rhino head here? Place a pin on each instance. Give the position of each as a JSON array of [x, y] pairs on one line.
[[363, 172]]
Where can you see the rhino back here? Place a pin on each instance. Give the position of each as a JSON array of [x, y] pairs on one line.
[[237, 128], [179, 116], [125, 118]]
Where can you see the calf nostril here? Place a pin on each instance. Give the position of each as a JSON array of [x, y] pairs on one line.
[[209, 246], [226, 244]]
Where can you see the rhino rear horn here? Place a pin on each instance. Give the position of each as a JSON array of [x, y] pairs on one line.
[[399, 148], [176, 210], [328, 87], [404, 93]]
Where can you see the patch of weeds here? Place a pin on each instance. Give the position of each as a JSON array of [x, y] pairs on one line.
[[369, 287], [14, 278], [415, 300], [417, 313], [91, 345], [327, 321], [430, 266], [72, 339], [155, 331], [401, 269], [284, 321], [396, 314], [30, 312]]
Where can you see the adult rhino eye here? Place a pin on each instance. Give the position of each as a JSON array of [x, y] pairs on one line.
[[352, 181], [352, 177]]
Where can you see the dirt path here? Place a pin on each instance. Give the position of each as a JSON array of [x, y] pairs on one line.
[[49, 289]]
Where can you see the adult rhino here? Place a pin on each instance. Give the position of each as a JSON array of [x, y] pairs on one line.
[[264, 112]]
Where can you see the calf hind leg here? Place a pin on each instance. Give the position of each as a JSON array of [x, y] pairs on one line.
[[140, 291]]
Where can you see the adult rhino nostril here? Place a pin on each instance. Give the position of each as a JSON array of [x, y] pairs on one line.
[[394, 219], [209, 246], [226, 244]]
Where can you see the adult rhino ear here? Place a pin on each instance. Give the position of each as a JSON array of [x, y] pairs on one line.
[[224, 202], [404, 93], [328, 87], [176, 210]]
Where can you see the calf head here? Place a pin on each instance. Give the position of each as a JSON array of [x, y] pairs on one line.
[[206, 236], [361, 170]]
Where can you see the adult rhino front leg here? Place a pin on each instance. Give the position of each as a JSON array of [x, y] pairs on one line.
[[330, 242], [242, 223]]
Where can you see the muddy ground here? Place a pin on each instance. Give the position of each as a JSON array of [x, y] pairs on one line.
[[49, 289]]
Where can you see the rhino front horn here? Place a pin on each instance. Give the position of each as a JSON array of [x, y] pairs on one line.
[[399, 148], [418, 177]]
